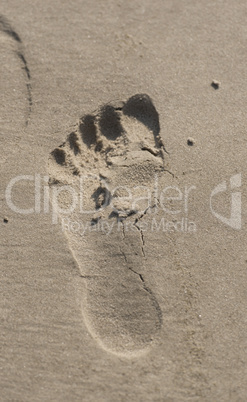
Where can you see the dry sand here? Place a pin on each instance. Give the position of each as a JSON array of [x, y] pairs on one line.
[[149, 305]]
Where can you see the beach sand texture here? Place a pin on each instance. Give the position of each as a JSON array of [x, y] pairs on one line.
[[123, 201]]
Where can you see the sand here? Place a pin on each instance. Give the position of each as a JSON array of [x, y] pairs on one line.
[[143, 297]]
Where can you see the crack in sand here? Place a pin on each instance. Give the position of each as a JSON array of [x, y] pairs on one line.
[[146, 288]]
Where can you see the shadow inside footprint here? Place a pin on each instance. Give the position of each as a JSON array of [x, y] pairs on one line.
[[74, 143], [110, 123], [101, 197], [141, 107], [88, 130], [59, 155]]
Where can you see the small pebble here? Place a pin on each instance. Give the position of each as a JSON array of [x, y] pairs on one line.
[[5, 220], [215, 84], [190, 141]]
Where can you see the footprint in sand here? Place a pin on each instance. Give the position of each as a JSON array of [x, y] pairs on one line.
[[97, 182]]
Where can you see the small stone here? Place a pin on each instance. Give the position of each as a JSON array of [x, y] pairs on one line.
[[190, 141], [5, 219], [215, 84]]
